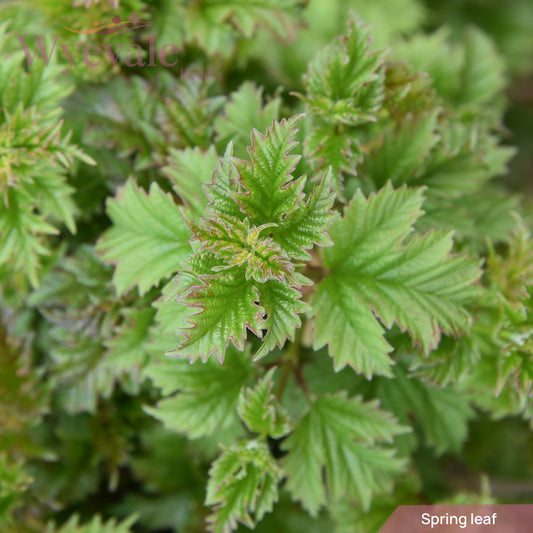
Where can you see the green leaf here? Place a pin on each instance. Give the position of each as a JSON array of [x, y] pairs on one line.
[[243, 482], [187, 116], [21, 236], [34, 155], [13, 483], [467, 75], [126, 349], [278, 15], [342, 436], [78, 369], [333, 149], [307, 226], [96, 525], [401, 156], [270, 192], [482, 73], [511, 272], [456, 161], [271, 195], [125, 111], [215, 24], [223, 186], [188, 170], [259, 409], [199, 398], [347, 324], [516, 360], [148, 239], [40, 86], [243, 112], [452, 360], [375, 273], [343, 83], [237, 244], [282, 304], [169, 318], [441, 413], [237, 261], [227, 306]]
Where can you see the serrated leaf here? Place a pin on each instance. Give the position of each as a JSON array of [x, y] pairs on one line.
[[256, 227], [227, 306], [334, 149], [199, 398], [148, 239], [78, 369], [343, 82], [456, 161], [516, 337], [451, 361], [272, 196], [169, 317], [243, 112], [21, 236], [222, 187], [278, 15], [259, 409], [417, 285], [188, 114], [402, 155], [125, 111], [346, 323], [238, 244], [243, 482], [512, 272], [342, 436], [215, 23], [188, 170], [270, 192], [96, 525], [482, 73], [467, 75], [307, 226], [14, 481], [283, 304], [441, 413]]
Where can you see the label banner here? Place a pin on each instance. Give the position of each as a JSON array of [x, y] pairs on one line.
[[460, 519]]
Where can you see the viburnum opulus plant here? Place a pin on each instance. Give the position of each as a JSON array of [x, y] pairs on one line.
[[291, 309], [280, 265]]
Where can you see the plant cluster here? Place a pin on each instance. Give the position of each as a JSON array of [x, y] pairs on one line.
[[291, 296]]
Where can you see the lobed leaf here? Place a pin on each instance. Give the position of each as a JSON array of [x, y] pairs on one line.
[[259, 409], [96, 525], [215, 323], [199, 398], [256, 227], [243, 482], [188, 170], [374, 274], [148, 239], [243, 112], [341, 435], [441, 414], [344, 84], [270, 192]]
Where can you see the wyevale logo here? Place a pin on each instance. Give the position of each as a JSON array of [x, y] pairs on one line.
[[91, 54]]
